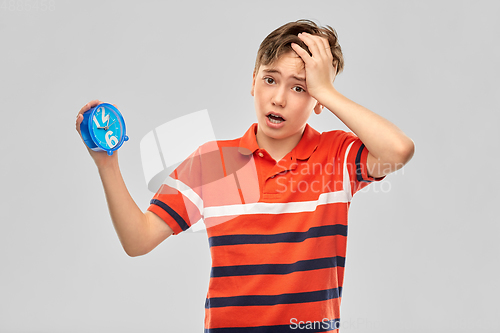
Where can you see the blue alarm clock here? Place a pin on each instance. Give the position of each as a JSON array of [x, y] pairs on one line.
[[103, 128]]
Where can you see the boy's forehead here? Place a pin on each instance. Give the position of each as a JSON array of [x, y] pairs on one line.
[[289, 62]]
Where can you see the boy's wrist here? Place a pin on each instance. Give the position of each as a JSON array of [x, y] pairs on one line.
[[108, 164], [325, 95]]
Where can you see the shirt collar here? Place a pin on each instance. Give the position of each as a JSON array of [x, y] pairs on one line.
[[308, 143], [304, 149]]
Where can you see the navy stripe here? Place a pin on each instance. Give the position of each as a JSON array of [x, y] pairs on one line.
[[299, 266], [359, 175], [287, 237], [180, 221], [295, 326], [263, 300]]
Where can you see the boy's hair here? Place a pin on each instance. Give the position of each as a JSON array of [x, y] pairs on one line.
[[279, 42]]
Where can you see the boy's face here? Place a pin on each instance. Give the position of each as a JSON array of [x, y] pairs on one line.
[[280, 90]]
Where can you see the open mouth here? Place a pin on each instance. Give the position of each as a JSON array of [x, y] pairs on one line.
[[275, 119]]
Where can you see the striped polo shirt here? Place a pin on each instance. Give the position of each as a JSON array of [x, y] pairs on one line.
[[277, 230]]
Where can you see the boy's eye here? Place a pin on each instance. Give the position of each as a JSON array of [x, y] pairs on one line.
[[270, 80]]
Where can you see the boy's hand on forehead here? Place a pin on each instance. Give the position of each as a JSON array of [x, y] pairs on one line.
[[320, 71]]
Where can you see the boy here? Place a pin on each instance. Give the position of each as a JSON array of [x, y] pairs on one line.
[[274, 201]]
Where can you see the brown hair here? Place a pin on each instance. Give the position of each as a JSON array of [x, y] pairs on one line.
[[279, 42]]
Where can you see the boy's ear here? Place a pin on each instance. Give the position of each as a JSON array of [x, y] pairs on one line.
[[318, 108], [253, 83]]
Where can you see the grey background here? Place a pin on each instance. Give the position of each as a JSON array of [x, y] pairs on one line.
[[423, 251]]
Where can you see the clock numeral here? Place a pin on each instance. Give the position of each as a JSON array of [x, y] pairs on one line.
[[96, 122], [104, 116], [111, 140]]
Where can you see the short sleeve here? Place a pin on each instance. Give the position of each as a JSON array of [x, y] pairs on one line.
[[178, 200], [215, 176], [353, 154]]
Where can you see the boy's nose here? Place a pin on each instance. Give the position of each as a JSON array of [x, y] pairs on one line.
[[279, 98]]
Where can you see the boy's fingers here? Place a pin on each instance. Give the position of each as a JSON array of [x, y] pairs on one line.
[[94, 103], [328, 49], [312, 44], [89, 105], [78, 122], [322, 44], [85, 108], [300, 51]]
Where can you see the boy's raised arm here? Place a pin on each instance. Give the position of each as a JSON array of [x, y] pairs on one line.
[[139, 232], [389, 148]]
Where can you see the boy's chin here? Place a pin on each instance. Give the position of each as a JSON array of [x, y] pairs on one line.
[[275, 134]]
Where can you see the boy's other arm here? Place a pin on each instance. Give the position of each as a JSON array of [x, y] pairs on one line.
[[139, 232]]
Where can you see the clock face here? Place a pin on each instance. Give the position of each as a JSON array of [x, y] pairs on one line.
[[107, 127]]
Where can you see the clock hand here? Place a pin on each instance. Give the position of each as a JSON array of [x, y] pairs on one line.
[[106, 128]]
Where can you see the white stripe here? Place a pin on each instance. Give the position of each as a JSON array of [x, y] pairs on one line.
[[276, 208], [347, 179], [186, 191], [265, 207]]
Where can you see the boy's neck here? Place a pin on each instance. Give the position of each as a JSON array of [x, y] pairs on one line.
[[278, 148]]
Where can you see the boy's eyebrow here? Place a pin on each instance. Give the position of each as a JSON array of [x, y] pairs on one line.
[[271, 70]]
